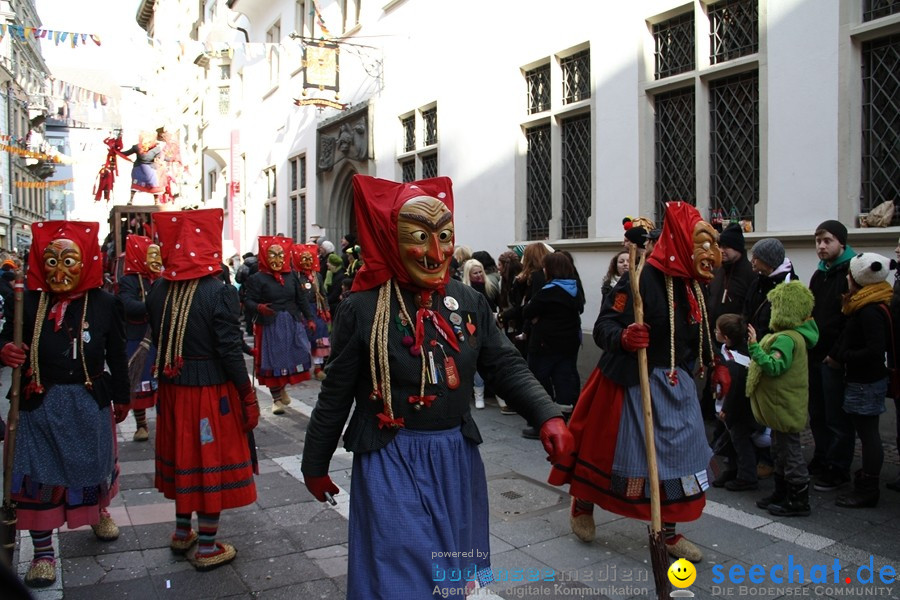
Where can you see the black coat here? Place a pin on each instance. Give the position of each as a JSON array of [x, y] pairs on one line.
[[263, 288], [556, 322], [349, 383], [863, 344], [729, 288], [133, 290], [757, 308], [827, 288], [212, 348], [103, 342]]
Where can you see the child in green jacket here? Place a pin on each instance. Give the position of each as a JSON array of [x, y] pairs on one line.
[[778, 387]]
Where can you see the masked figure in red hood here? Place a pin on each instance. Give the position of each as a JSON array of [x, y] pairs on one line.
[[65, 469], [143, 264], [207, 406], [282, 315], [305, 258], [405, 347], [611, 465]]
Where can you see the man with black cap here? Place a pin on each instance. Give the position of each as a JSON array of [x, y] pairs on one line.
[[830, 425], [731, 281], [771, 268]]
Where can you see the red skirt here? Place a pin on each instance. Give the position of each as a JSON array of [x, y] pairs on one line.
[[202, 454], [595, 426]]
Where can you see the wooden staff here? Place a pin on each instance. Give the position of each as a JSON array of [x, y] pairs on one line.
[[658, 555], [8, 524]]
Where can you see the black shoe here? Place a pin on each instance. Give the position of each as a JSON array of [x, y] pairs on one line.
[[777, 496], [831, 480], [817, 467], [741, 485], [531, 433], [724, 477], [795, 505], [864, 495]]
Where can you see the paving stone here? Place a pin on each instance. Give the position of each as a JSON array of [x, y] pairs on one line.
[[266, 544], [135, 589], [295, 513], [320, 589], [318, 534], [82, 570], [137, 481], [194, 585], [83, 542], [268, 573]]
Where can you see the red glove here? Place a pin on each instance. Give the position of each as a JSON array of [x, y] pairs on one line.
[[635, 336], [12, 355], [249, 406], [318, 486], [311, 325], [557, 440], [264, 310], [120, 412], [720, 380]]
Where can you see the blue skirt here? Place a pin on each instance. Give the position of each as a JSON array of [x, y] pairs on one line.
[[413, 505]]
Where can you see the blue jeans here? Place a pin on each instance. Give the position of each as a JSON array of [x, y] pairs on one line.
[[559, 376]]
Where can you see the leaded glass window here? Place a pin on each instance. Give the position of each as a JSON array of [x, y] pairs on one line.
[[734, 145], [675, 149], [576, 76], [429, 123], [733, 29], [409, 133], [881, 123], [408, 170], [538, 185], [538, 83], [875, 9], [576, 175], [429, 166], [674, 45]]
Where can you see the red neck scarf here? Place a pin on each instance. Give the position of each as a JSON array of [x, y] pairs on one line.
[[265, 242], [84, 235]]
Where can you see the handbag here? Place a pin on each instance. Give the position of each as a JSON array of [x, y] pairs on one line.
[[893, 390]]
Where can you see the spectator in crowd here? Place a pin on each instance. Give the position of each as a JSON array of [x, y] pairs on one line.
[[247, 268], [474, 277], [777, 383], [865, 341], [831, 428], [895, 317], [326, 249], [334, 276], [490, 267], [618, 265], [771, 268]]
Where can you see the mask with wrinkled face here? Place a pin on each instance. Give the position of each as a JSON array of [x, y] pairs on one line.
[[62, 265], [425, 240], [707, 254], [275, 258], [154, 259], [306, 261]]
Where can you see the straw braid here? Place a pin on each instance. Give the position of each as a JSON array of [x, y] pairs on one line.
[[378, 351], [181, 295], [704, 328], [670, 296]]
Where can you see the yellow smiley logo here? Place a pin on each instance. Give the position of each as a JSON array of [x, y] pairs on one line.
[[682, 573]]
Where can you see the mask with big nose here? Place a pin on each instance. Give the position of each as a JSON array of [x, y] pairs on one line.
[[62, 265], [425, 240]]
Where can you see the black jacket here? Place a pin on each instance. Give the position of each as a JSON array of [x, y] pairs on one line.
[[133, 290], [212, 341], [729, 288], [863, 344], [827, 288], [263, 288], [349, 382], [617, 313], [757, 308], [103, 341], [556, 322]]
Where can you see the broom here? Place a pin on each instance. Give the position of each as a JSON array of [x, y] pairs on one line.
[[137, 362], [659, 559], [8, 521]]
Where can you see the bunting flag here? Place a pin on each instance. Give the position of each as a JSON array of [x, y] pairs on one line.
[[30, 154], [43, 184], [58, 37], [320, 20]]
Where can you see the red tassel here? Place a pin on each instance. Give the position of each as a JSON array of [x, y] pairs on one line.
[[423, 400], [386, 421]]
